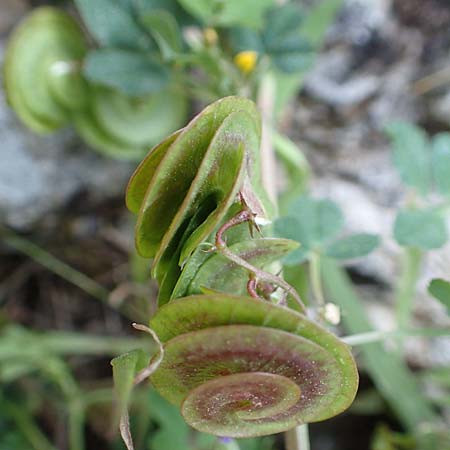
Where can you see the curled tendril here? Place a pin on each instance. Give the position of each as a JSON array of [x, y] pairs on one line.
[[235, 363]]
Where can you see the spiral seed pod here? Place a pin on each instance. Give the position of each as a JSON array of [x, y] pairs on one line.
[[236, 366], [46, 86], [243, 367], [39, 82]]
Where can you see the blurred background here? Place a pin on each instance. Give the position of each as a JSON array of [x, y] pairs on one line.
[[70, 281]]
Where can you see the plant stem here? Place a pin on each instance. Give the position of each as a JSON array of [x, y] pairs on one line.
[[26, 425], [390, 374], [378, 336], [316, 278], [406, 288], [297, 438], [266, 102], [76, 424], [55, 265]]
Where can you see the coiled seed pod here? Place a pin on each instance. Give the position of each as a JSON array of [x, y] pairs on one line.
[[46, 86], [240, 367], [236, 366]]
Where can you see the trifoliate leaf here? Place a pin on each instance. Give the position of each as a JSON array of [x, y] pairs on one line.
[[133, 73], [423, 229], [112, 23], [441, 162], [310, 222], [246, 13], [165, 31], [353, 246], [411, 155]]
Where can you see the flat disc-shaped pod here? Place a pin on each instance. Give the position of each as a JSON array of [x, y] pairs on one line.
[[194, 363], [92, 132], [142, 121], [219, 178], [67, 84], [178, 169], [182, 316], [140, 180], [168, 278], [221, 274], [46, 38]]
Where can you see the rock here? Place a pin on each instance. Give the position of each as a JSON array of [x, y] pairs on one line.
[[328, 84], [41, 173]]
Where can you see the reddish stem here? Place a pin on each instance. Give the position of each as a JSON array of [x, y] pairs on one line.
[[252, 286]]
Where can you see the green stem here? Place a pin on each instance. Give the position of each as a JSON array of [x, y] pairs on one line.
[[297, 438], [406, 288], [266, 101], [378, 336], [76, 413], [390, 374], [55, 265], [316, 278], [227, 444], [26, 425]]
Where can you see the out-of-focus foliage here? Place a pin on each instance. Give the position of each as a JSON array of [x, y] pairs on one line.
[[316, 224], [129, 88]]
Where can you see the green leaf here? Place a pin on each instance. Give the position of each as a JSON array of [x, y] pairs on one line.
[[310, 222], [296, 167], [112, 24], [318, 20], [353, 246], [242, 39], [164, 29], [246, 13], [125, 367], [440, 290], [290, 52], [411, 155], [441, 162], [423, 229], [131, 72]]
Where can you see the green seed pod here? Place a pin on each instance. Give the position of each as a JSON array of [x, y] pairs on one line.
[[241, 367], [42, 69], [237, 366]]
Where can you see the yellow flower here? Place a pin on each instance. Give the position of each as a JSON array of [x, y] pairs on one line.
[[210, 36], [246, 60]]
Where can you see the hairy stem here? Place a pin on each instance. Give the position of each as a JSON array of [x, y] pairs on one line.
[[262, 275]]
